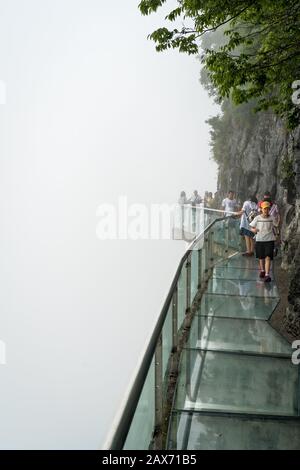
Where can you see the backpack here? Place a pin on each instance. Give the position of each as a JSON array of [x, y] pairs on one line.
[[252, 214]]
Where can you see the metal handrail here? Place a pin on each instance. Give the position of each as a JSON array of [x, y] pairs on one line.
[[208, 209], [118, 435]]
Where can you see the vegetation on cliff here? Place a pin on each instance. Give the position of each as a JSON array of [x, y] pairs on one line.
[[259, 57]]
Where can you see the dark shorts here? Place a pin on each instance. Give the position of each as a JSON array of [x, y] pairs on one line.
[[247, 233], [264, 249]]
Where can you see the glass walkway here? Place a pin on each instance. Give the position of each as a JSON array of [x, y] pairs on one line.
[[237, 387], [215, 374]]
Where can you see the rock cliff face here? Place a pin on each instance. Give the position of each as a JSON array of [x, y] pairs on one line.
[[258, 155]]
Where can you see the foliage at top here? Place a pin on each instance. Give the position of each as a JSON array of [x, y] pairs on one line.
[[258, 56]]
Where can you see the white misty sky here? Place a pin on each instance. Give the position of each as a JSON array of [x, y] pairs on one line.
[[92, 113]]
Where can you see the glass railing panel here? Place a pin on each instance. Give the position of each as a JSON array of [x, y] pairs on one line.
[[189, 221], [186, 222], [194, 273], [167, 343], [234, 237], [202, 431], [204, 261], [182, 295], [210, 216], [200, 268], [142, 426], [219, 241], [178, 222]]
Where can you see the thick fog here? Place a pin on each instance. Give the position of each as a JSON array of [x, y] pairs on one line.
[[91, 113]]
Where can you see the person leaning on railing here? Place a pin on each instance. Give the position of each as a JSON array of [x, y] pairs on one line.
[[182, 198], [195, 199]]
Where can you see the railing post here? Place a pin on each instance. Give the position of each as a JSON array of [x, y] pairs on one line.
[[188, 283], [206, 258], [175, 321], [182, 222], [194, 214], [188, 371], [199, 268], [226, 237], [158, 394], [210, 251]]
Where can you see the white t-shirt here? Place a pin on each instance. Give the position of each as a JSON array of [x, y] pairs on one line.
[[248, 206], [195, 199], [265, 226], [230, 205]]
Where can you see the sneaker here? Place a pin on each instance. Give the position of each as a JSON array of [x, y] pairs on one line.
[[267, 278], [262, 274]]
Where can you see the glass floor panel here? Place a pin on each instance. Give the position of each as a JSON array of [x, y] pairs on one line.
[[240, 261], [225, 272], [237, 307], [255, 336], [243, 288], [231, 382], [198, 431]]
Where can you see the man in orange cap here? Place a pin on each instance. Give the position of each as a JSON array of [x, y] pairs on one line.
[[263, 226]]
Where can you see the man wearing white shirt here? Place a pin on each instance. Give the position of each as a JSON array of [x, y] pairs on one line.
[[195, 199], [229, 204]]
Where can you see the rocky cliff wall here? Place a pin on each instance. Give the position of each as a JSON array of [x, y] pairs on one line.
[[259, 154]]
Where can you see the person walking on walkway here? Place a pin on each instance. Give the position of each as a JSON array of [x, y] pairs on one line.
[[274, 210], [275, 213], [263, 226], [248, 210]]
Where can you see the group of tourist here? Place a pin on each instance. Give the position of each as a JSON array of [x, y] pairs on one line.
[[259, 223], [259, 226], [196, 199]]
